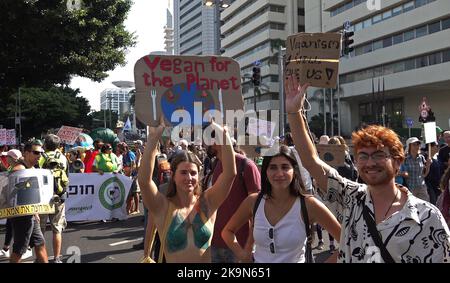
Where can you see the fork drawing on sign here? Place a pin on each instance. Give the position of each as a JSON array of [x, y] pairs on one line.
[[153, 95]]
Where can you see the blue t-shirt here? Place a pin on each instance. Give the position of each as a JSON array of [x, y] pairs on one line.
[[128, 158]]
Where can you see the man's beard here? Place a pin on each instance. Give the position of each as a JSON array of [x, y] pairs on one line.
[[386, 175]]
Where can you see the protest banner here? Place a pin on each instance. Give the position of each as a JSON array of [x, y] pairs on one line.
[[7, 137], [332, 154], [2, 136], [69, 135], [313, 58], [430, 132], [96, 197], [187, 87], [26, 192]]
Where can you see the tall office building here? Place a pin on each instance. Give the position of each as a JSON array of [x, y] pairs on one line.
[[405, 43], [194, 32], [253, 30], [116, 99], [168, 32]]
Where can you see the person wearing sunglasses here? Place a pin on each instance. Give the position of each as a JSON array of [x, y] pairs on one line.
[[279, 230], [185, 217], [381, 221], [26, 229], [106, 161]]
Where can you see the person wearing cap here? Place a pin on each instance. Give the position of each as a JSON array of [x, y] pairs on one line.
[[381, 221], [58, 220], [417, 167], [26, 229]]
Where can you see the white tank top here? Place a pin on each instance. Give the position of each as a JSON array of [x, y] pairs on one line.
[[289, 236]]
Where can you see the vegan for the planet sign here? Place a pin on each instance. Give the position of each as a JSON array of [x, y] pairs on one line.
[[313, 58], [191, 84]]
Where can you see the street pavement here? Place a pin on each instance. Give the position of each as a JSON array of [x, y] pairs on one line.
[[111, 242]]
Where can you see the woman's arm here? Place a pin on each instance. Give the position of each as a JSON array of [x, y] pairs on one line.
[[153, 200], [295, 96], [217, 194], [319, 213], [241, 217]]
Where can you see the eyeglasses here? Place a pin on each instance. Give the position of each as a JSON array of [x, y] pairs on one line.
[[377, 156], [35, 152], [272, 244]]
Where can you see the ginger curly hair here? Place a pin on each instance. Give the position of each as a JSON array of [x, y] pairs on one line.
[[379, 137]]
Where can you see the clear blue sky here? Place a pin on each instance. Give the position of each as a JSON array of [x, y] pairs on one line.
[[147, 19]]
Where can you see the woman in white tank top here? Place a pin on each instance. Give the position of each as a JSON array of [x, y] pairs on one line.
[[279, 233]]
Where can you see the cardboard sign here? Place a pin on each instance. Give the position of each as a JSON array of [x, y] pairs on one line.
[[2, 136], [430, 132], [167, 84], [69, 135], [332, 154], [26, 192], [7, 136], [313, 58]]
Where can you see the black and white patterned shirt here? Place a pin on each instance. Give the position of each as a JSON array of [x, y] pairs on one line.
[[417, 233]]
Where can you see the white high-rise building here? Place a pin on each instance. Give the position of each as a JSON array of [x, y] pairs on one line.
[[194, 32], [116, 99], [168, 33], [253, 30], [405, 43]]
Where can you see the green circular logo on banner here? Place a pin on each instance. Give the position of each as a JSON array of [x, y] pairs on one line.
[[112, 193]]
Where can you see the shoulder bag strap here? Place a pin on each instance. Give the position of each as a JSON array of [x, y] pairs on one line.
[[376, 236], [309, 239], [255, 207]]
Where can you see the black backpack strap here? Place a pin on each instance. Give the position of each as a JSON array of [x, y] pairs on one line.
[[309, 239], [376, 236], [255, 207]]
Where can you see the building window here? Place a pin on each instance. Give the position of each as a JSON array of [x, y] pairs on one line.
[[376, 19], [408, 6], [398, 38], [410, 64], [300, 12], [396, 11], [387, 14], [422, 61], [434, 27], [445, 24], [446, 56], [435, 58], [387, 42], [377, 45], [408, 35], [421, 31], [420, 3]]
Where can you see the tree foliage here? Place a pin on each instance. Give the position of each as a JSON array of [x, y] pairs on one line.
[[42, 110], [42, 43]]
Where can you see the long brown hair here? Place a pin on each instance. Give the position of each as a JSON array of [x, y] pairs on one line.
[[296, 187], [182, 156]]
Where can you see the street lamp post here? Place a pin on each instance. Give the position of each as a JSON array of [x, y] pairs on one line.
[[217, 5]]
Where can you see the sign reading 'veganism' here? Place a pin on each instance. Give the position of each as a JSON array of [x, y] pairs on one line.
[[313, 58], [190, 84]]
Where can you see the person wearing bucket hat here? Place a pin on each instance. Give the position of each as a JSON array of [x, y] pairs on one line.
[[417, 167], [381, 220]]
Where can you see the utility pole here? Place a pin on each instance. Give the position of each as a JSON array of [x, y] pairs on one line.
[[281, 55], [110, 121], [332, 111], [20, 119]]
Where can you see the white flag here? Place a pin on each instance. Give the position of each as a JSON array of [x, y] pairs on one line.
[[127, 126]]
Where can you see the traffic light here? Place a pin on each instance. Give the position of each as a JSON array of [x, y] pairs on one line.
[[256, 77], [347, 42]]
